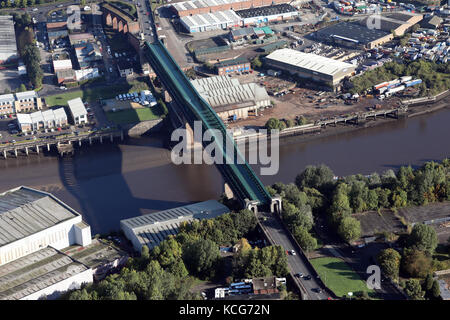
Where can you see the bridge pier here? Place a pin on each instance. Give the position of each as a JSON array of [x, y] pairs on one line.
[[275, 205], [26, 151], [79, 142], [15, 152], [4, 154], [101, 139], [111, 137], [90, 141], [37, 149], [48, 146], [251, 205]]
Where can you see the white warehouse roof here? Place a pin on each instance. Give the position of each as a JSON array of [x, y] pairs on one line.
[[77, 107], [25, 211], [309, 61], [208, 19]]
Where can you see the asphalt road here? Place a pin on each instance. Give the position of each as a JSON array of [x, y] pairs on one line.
[[296, 262]]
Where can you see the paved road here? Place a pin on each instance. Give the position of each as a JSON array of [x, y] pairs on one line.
[[296, 263]]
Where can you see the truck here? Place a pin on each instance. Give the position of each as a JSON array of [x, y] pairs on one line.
[[380, 85]]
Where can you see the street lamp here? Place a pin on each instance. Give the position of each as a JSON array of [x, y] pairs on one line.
[[350, 294]]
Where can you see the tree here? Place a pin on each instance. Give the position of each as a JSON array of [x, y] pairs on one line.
[[306, 241], [256, 63], [349, 229], [272, 123], [416, 263], [22, 88], [315, 177], [423, 237], [389, 261], [200, 257], [428, 282], [414, 290], [435, 290]]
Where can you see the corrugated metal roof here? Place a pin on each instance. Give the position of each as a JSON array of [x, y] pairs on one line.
[[25, 211], [151, 229], [309, 61]]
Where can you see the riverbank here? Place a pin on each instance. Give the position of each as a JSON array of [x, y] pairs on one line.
[[348, 128]]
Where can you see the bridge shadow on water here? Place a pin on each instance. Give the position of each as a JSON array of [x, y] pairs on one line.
[[94, 177]]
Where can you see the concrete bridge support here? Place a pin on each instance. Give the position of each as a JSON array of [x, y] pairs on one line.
[[4, 154], [26, 151], [15, 153], [90, 141], [48, 146], [37, 149], [275, 206], [111, 138], [79, 142], [101, 139], [251, 205]]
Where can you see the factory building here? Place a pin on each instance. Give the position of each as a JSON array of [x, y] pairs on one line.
[[210, 21], [190, 8], [397, 23], [46, 248], [353, 35], [151, 229], [230, 99], [8, 46], [258, 15], [310, 66], [237, 65]]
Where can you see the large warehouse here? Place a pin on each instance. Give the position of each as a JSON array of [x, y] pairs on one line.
[[46, 248], [310, 66], [210, 21], [153, 228], [353, 35], [231, 99], [397, 22], [189, 8], [256, 16], [8, 46]]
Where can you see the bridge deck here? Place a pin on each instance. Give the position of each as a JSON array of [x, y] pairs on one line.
[[243, 181]]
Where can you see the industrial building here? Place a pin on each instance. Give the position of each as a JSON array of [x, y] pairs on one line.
[[8, 46], [42, 120], [258, 15], [210, 21], [397, 23], [230, 99], [353, 35], [310, 66], [46, 248], [189, 8], [237, 65], [77, 111], [151, 229], [88, 55]]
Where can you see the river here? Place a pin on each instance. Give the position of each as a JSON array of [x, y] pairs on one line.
[[110, 182]]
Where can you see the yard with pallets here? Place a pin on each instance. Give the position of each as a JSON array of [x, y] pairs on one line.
[[339, 277]]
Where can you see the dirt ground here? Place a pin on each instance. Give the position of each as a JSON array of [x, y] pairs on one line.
[[306, 102]]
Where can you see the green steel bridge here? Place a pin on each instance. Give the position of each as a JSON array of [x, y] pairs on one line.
[[244, 183]]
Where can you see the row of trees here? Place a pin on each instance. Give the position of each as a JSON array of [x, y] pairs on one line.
[[274, 123], [167, 271]]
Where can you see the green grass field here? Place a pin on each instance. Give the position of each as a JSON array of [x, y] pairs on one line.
[[339, 277], [91, 95], [134, 115]]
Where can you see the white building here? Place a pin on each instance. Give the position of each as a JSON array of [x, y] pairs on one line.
[[8, 46], [59, 65], [310, 66], [31, 220], [151, 229], [210, 21], [42, 119], [231, 99], [78, 111], [86, 74]]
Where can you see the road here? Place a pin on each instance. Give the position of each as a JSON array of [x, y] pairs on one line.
[[296, 262]]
